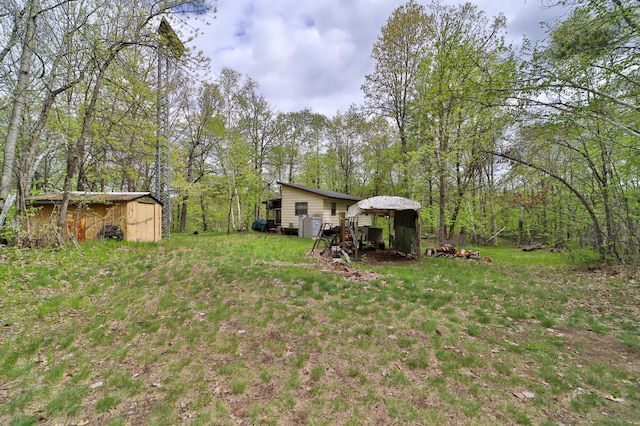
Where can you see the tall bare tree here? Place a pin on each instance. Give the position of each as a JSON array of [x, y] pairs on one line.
[[30, 14]]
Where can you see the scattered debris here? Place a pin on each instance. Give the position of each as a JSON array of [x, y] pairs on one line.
[[524, 395], [532, 247], [341, 267], [454, 349], [449, 251]]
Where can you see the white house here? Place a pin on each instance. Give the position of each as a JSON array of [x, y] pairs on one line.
[[299, 201]]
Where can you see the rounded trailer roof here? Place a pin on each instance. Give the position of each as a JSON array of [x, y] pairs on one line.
[[384, 204]]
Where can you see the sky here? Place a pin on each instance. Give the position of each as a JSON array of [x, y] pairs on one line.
[[315, 53]]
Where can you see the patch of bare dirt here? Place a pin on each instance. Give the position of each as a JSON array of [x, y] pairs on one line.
[[328, 264], [345, 268], [384, 257], [580, 347], [605, 349], [280, 264]]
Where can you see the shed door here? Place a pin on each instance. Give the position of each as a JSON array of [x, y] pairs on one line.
[[143, 223], [78, 228]]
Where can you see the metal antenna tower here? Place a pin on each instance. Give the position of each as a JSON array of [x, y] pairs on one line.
[[170, 47]]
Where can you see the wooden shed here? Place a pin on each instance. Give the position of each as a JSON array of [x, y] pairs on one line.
[[130, 216]]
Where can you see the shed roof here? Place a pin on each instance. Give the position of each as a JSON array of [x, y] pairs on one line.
[[93, 197], [382, 204], [323, 192]]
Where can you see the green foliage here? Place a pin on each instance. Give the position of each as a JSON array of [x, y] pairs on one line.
[[587, 64], [456, 117], [443, 76], [585, 258], [398, 54], [585, 34]]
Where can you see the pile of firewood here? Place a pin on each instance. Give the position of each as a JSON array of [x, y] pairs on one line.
[[449, 251]]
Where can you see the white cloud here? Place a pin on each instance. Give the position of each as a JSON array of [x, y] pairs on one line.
[[315, 54]]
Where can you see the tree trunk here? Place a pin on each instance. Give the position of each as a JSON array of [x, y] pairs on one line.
[[442, 196], [185, 199], [441, 153], [405, 158], [82, 179], [610, 222], [494, 220], [203, 209], [183, 214], [74, 150], [239, 208], [30, 161], [19, 102], [521, 226], [230, 217]]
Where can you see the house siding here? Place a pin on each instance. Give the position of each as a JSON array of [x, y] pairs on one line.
[[341, 206], [318, 206], [291, 196], [364, 220]]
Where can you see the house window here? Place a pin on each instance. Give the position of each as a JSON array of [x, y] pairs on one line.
[[302, 209], [333, 209]]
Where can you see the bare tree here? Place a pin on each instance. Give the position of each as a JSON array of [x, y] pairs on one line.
[[19, 99]]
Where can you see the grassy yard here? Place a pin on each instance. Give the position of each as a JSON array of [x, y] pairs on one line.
[[250, 328]]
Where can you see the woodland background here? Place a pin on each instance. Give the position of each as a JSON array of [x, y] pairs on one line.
[[538, 144]]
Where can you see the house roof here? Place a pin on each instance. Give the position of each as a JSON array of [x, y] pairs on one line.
[[322, 192], [383, 204], [92, 197]]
